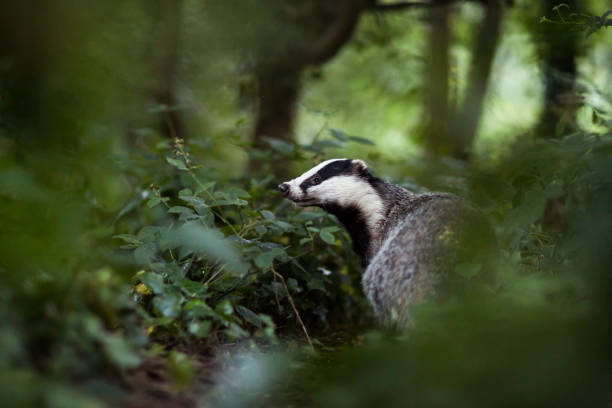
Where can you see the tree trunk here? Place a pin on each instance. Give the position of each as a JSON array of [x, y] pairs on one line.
[[169, 19], [278, 75], [559, 49], [277, 97], [469, 115], [437, 111]]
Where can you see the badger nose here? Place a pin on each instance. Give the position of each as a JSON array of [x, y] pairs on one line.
[[284, 189]]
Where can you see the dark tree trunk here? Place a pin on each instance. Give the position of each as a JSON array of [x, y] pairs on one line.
[[469, 115], [277, 97], [438, 110], [169, 17], [559, 49], [278, 75]]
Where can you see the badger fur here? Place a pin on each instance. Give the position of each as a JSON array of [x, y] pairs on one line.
[[409, 243]]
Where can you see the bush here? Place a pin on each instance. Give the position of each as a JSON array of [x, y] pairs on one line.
[[224, 259]]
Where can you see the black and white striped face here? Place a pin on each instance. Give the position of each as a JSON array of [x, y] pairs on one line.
[[339, 182]]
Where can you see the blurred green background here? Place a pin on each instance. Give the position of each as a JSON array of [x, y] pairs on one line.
[[147, 259]]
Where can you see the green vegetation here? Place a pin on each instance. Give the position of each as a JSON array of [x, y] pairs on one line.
[[148, 260]]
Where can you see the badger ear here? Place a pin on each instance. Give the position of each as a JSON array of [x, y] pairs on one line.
[[360, 166]]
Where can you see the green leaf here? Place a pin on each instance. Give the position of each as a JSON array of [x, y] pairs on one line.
[[238, 192], [265, 259], [305, 240], [131, 240], [179, 164], [153, 202], [327, 236], [323, 144], [286, 227], [193, 237], [204, 187], [362, 140], [316, 284], [261, 230], [118, 351], [281, 146], [186, 192], [338, 134], [145, 254], [196, 308], [169, 305], [191, 287], [154, 282], [235, 332], [294, 285], [224, 308], [200, 329], [249, 316], [268, 215], [178, 209]]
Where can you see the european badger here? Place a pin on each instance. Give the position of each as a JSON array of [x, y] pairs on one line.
[[409, 243]]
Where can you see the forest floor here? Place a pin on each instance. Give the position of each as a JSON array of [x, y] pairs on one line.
[[151, 384]]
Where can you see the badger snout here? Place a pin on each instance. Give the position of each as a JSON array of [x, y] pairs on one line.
[[288, 191], [284, 189]]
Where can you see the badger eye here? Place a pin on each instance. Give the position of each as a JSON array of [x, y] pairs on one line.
[[316, 179]]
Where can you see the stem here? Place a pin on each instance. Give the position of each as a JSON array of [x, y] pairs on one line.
[[297, 314], [214, 275], [401, 5], [188, 165]]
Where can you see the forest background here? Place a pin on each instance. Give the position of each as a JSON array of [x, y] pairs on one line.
[[147, 259]]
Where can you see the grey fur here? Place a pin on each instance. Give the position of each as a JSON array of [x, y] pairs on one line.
[[417, 251], [416, 246]]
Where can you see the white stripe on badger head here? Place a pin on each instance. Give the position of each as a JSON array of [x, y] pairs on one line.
[[299, 180], [352, 191]]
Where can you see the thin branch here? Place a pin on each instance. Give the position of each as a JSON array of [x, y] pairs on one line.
[[402, 5], [339, 32], [276, 296], [297, 314]]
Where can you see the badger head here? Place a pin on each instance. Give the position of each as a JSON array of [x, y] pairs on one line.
[[336, 182], [345, 188]]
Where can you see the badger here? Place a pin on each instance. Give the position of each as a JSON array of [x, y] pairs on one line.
[[410, 244]]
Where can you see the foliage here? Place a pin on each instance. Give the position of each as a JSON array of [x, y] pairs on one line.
[[121, 246], [535, 338], [585, 22], [215, 253]]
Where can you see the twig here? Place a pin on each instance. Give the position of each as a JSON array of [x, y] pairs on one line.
[[297, 314], [276, 296], [401, 5], [214, 275]]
